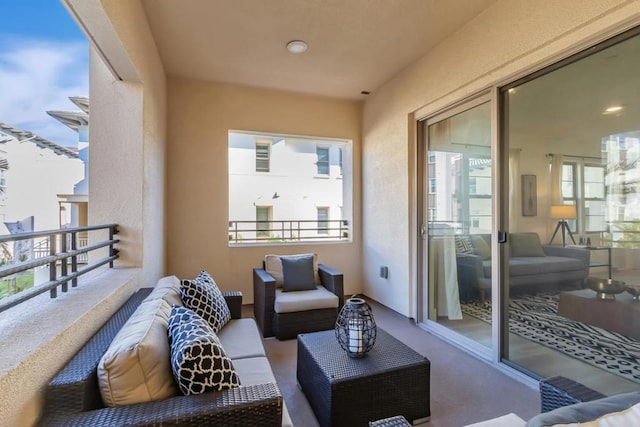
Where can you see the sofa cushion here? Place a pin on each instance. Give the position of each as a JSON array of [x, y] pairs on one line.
[[526, 244], [297, 273], [273, 266], [167, 288], [480, 246], [289, 302], [619, 410], [198, 360], [135, 368], [203, 296], [241, 339], [257, 370], [463, 245]]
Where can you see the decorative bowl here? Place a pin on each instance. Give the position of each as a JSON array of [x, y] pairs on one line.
[[634, 290], [605, 288]]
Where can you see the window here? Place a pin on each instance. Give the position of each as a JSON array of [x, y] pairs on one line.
[[472, 186], [432, 185], [262, 156], [588, 180], [323, 220], [290, 204], [594, 198], [263, 216], [323, 160]]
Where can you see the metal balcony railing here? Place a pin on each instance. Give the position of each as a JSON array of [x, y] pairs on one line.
[[291, 230], [67, 251]]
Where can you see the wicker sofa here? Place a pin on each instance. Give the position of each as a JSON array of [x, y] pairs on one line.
[[532, 266], [73, 397]]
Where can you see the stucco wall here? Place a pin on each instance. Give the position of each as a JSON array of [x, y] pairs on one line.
[[199, 116], [503, 42], [128, 138]]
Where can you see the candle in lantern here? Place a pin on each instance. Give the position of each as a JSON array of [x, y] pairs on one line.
[[355, 336]]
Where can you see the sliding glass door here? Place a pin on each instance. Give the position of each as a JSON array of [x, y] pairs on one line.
[[456, 200], [574, 135]]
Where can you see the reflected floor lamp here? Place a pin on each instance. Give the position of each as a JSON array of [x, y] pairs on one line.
[[563, 213]]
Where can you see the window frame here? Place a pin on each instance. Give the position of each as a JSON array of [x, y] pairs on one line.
[[259, 159]]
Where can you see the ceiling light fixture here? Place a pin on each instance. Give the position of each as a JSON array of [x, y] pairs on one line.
[[297, 46], [613, 109]]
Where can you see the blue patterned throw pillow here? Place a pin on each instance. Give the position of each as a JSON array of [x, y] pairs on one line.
[[203, 296], [198, 361]]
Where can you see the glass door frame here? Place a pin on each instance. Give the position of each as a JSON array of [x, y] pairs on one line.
[[424, 295]]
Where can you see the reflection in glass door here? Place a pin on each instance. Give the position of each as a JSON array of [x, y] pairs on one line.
[[457, 210]]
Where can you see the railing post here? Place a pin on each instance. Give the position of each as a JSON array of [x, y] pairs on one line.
[[74, 259], [112, 252], [53, 293], [63, 263]]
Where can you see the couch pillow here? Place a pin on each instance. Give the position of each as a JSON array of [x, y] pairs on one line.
[[273, 266], [168, 289], [135, 368], [198, 361], [481, 247], [463, 245], [526, 245], [203, 296], [622, 409], [297, 273]]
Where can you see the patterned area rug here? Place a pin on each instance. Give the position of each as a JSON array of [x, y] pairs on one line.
[[536, 318]]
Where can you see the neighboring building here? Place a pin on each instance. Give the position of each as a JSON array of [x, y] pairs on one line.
[[33, 171], [288, 188]]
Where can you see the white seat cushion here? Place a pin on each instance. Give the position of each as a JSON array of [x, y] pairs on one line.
[[509, 420], [241, 339], [290, 302], [257, 370]]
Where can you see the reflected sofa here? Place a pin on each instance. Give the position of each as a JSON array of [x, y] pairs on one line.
[[532, 266]]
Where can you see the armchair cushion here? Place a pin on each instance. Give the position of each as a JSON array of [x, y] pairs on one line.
[[203, 296], [198, 361], [273, 266], [290, 302], [297, 273]]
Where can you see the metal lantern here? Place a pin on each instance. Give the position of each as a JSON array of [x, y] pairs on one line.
[[355, 327]]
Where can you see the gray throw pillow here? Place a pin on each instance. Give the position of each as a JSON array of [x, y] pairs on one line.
[[526, 244], [297, 273]]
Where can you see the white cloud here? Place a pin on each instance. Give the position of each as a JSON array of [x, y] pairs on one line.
[[36, 76]]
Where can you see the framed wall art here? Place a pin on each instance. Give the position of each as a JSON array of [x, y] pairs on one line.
[[529, 195]]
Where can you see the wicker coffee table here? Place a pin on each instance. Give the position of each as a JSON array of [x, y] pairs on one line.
[[392, 379]]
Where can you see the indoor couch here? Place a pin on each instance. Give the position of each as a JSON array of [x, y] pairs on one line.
[[139, 387], [532, 266]]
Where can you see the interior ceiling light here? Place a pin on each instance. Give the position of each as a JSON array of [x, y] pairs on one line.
[[297, 46], [613, 109]]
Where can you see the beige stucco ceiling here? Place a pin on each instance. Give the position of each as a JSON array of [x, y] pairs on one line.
[[354, 45]]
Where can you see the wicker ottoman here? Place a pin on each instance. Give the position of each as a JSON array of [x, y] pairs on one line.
[[392, 379]]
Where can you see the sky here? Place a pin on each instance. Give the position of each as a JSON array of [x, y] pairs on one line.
[[44, 59]]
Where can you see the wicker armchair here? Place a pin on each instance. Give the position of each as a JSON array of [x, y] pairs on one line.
[[556, 392], [289, 325]]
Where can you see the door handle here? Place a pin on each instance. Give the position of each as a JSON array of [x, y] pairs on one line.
[[423, 231], [502, 236]]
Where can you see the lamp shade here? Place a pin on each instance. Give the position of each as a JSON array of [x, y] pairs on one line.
[[564, 212]]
